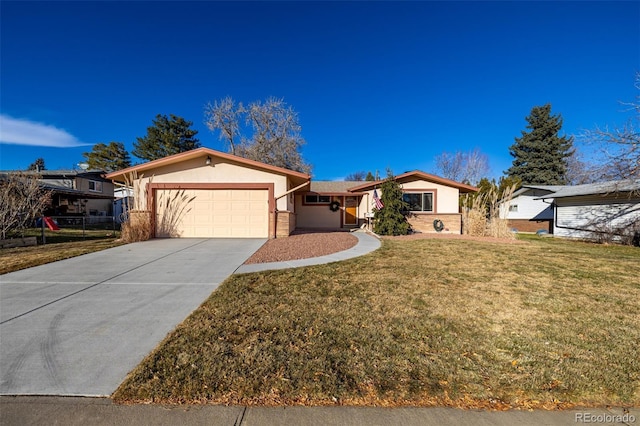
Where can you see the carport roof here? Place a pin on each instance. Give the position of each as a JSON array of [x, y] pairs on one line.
[[611, 187], [120, 175]]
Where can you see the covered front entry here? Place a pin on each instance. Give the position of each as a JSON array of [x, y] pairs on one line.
[[212, 213], [350, 211]]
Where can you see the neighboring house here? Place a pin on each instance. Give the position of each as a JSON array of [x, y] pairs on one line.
[[528, 211], [76, 192], [206, 193], [597, 211]]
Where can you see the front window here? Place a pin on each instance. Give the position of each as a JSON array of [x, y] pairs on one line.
[[317, 199], [95, 186], [419, 202], [513, 208]]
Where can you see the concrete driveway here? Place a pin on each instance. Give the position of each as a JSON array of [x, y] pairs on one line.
[[78, 326]]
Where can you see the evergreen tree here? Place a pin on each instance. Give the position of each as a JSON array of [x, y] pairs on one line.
[[540, 155], [108, 157], [167, 136], [391, 218], [369, 177], [37, 165]]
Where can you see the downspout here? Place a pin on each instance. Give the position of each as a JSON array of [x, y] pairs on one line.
[[275, 207]]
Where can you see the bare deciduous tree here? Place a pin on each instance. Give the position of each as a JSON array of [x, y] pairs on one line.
[[224, 115], [22, 199], [274, 126], [579, 171], [460, 166], [356, 176], [619, 147]]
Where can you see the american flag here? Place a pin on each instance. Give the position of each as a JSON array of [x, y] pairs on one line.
[[377, 200]]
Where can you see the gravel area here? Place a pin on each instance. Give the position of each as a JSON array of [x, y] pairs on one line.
[[303, 245]]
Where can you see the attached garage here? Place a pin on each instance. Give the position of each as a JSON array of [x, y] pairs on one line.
[[204, 193], [212, 213]]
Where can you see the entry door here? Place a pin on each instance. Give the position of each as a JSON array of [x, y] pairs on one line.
[[350, 210]]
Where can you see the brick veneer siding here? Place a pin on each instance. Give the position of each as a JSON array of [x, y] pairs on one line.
[[286, 224], [424, 222], [525, 225]]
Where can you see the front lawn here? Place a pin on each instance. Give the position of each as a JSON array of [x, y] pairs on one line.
[[545, 323], [60, 245]]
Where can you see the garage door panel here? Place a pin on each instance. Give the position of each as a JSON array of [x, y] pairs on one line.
[[212, 213]]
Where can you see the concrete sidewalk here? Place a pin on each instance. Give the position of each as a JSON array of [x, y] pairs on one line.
[[366, 244], [101, 411]]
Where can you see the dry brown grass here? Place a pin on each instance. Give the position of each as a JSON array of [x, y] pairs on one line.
[[25, 257], [423, 322]]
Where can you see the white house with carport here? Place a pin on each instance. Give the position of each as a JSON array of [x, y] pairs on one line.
[[597, 211], [527, 211]]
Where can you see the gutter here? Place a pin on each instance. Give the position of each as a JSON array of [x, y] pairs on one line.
[[275, 206]]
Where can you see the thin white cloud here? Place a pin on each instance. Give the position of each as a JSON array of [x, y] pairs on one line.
[[24, 132]]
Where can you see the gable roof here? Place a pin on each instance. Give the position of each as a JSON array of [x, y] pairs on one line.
[[417, 174], [204, 152], [599, 188]]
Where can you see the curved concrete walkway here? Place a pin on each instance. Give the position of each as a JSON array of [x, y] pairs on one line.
[[366, 244]]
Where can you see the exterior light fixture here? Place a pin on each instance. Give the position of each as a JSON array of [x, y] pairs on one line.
[[208, 161]]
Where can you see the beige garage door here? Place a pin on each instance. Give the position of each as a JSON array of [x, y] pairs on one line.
[[212, 213]]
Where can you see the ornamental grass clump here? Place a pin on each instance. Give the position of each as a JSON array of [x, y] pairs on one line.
[[137, 220], [482, 216]]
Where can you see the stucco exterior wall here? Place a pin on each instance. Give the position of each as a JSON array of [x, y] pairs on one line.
[[316, 216], [194, 170], [446, 199]]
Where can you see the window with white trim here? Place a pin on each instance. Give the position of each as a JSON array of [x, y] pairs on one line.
[[317, 199], [513, 208], [419, 201], [95, 186]]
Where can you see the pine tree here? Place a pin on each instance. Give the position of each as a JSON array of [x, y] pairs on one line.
[[37, 165], [391, 219], [167, 136], [108, 157], [369, 177], [540, 155]]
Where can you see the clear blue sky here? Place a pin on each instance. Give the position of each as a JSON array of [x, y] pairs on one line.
[[377, 85]]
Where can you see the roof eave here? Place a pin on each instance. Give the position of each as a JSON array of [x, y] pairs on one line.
[[462, 187], [176, 158]]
